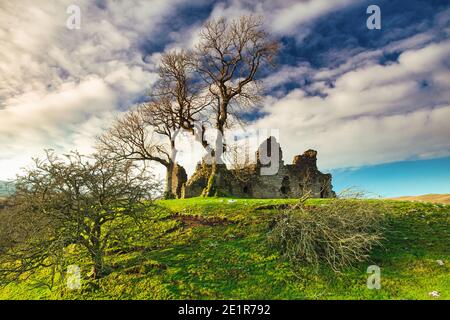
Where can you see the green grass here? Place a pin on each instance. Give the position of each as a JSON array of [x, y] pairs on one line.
[[223, 254]]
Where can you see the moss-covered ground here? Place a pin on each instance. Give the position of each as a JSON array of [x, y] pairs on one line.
[[216, 248]]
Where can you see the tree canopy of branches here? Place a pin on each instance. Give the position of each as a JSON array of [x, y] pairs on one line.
[[228, 58], [180, 86], [145, 133], [78, 201], [149, 131]]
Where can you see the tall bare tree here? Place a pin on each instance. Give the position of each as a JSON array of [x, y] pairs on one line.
[[177, 102], [228, 58]]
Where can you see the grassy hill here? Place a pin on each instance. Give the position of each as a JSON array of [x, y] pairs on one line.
[[216, 249], [435, 198]]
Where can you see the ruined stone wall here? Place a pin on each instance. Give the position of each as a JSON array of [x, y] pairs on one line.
[[179, 179], [288, 181]]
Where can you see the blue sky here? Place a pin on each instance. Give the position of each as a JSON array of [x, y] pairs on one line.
[[375, 104], [398, 178]]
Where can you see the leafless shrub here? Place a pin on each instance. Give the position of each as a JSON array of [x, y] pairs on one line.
[[339, 233]]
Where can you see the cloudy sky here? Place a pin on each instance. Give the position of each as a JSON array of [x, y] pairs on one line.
[[374, 103]]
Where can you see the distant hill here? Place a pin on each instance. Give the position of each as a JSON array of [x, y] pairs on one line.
[[6, 188], [436, 198]]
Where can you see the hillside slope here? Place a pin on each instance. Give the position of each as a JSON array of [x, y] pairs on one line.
[[216, 249]]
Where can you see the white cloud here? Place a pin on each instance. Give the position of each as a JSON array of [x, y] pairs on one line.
[[288, 18], [373, 114], [59, 87], [33, 121], [283, 17]]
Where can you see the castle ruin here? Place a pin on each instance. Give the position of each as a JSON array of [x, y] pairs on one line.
[[257, 180]]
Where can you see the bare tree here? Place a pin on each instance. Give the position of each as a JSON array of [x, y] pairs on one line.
[[146, 133], [82, 201], [177, 102], [228, 58], [191, 87]]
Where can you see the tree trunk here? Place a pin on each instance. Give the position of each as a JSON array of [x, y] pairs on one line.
[[168, 193], [96, 253], [211, 188], [97, 269]]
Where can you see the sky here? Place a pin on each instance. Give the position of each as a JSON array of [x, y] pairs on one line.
[[375, 104]]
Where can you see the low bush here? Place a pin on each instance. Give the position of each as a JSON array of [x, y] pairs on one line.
[[339, 233]]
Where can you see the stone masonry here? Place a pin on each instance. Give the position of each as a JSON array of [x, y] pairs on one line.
[[288, 181]]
